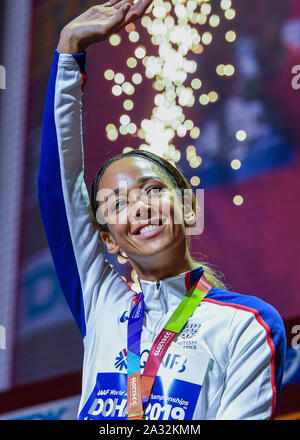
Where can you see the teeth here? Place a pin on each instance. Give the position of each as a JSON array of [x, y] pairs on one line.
[[148, 228]]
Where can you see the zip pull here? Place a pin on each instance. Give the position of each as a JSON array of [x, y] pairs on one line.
[[156, 291]]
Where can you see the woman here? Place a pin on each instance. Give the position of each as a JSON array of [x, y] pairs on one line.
[[183, 347]]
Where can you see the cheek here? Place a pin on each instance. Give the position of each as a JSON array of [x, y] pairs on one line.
[[116, 223], [171, 208], [113, 217], [119, 224]]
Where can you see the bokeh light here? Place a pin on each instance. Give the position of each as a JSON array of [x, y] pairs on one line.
[[128, 104], [229, 14], [119, 78], [116, 90], [131, 62], [134, 36], [241, 135], [195, 180], [115, 39], [230, 36], [235, 164], [238, 200], [176, 30]]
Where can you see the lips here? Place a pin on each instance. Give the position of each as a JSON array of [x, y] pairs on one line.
[[147, 227], [148, 232]]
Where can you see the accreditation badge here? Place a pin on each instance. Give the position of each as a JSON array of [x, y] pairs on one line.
[[178, 384], [174, 395]]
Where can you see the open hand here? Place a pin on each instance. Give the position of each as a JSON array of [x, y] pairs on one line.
[[98, 22]]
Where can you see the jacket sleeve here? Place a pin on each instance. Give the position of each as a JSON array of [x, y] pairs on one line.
[[257, 350], [86, 278]]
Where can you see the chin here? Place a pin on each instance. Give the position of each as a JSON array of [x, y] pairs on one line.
[[165, 245]]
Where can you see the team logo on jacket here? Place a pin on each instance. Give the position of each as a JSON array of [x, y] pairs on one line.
[[190, 330]]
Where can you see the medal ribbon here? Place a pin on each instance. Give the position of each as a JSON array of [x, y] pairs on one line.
[[139, 387]]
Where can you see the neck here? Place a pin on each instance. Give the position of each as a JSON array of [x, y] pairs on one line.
[[164, 265]]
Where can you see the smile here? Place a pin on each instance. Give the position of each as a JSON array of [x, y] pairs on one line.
[[149, 231]]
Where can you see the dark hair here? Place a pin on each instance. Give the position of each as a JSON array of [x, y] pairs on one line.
[[178, 180]]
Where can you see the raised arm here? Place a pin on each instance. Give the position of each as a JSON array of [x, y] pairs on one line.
[[77, 250]]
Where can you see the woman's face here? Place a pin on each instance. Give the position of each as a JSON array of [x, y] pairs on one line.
[[137, 200]]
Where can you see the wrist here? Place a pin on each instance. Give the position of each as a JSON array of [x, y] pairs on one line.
[[68, 43]]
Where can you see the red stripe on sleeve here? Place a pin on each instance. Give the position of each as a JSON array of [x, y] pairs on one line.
[[269, 340], [84, 79]]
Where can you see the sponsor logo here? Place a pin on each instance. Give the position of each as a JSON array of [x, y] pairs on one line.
[[133, 395], [137, 313], [174, 362], [170, 361], [162, 343], [190, 331], [124, 317]]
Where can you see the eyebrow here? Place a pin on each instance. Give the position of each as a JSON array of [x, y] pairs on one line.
[[139, 181]]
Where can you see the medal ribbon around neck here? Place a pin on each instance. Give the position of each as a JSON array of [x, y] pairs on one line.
[[139, 387]]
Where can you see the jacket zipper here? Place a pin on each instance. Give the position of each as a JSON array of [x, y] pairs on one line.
[[156, 290], [162, 301]]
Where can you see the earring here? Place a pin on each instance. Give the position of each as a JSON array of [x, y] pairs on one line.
[[122, 257], [190, 218], [123, 254]]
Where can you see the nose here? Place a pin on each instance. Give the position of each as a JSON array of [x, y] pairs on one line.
[[140, 210]]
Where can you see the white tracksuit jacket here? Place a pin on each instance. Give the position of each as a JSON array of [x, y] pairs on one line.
[[229, 359]]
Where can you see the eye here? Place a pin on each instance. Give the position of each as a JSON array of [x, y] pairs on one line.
[[156, 189], [119, 204]]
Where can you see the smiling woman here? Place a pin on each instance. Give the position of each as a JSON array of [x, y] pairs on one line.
[[189, 348], [156, 183]]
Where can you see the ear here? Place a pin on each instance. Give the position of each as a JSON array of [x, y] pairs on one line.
[[189, 214], [111, 244]]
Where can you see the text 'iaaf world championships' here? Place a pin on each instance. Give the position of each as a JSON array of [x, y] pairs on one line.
[[171, 399]]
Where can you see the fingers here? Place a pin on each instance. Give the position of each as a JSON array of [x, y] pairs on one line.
[[121, 3], [117, 4], [137, 10], [111, 3], [141, 6], [119, 17], [124, 17]]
